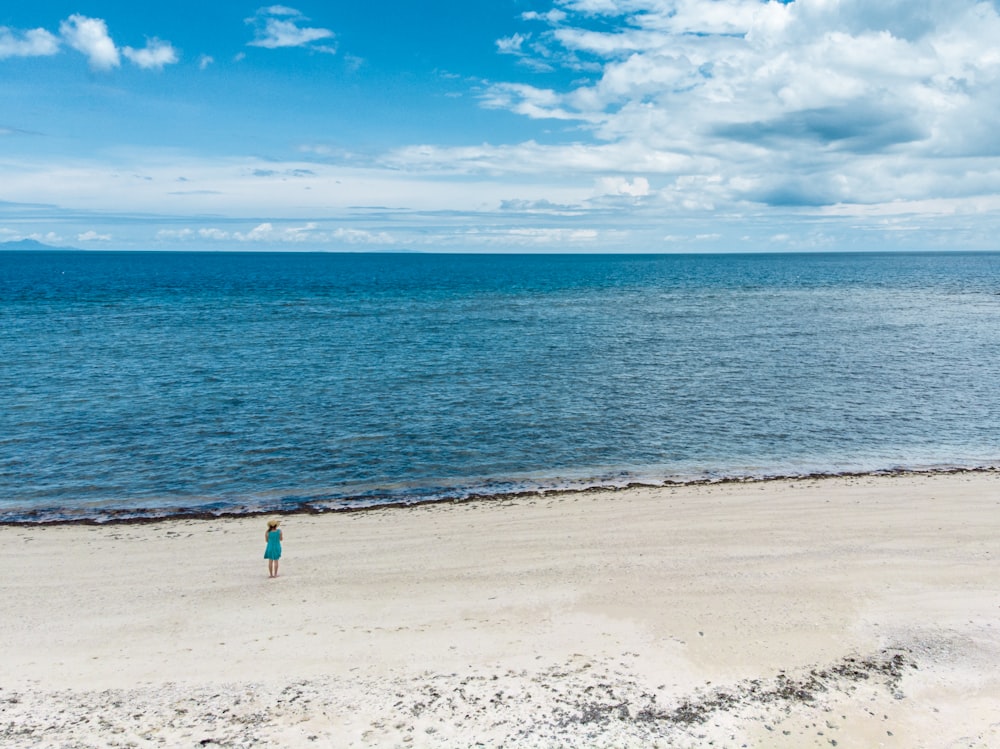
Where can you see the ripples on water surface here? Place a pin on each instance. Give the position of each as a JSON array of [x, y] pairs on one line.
[[156, 381]]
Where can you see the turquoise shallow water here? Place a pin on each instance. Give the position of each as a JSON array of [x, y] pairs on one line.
[[155, 383]]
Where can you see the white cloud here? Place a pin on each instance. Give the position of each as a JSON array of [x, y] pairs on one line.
[[539, 207], [31, 43], [553, 16], [537, 103], [154, 55], [512, 45], [260, 233], [279, 26], [204, 61], [309, 233], [533, 237], [90, 36], [174, 234], [362, 236], [532, 158], [279, 10], [93, 236], [636, 188], [800, 104], [600, 7], [268, 232]]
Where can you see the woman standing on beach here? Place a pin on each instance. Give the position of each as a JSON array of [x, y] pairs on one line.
[[273, 551]]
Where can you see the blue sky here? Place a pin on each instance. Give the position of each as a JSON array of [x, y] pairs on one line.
[[509, 125]]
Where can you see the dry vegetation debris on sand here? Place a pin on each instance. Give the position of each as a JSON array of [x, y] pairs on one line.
[[580, 704]]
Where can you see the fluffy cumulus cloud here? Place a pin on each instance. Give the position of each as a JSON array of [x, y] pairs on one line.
[[31, 43], [280, 26], [90, 36], [553, 16], [511, 45], [154, 55], [802, 103]]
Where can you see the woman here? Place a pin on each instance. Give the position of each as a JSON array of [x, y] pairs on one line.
[[272, 553]]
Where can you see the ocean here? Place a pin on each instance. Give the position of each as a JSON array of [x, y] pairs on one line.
[[147, 384]]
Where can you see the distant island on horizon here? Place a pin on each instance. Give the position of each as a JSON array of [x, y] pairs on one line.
[[32, 244]]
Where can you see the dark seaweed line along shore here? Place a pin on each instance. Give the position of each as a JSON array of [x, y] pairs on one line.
[[137, 516]]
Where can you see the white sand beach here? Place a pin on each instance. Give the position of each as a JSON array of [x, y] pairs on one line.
[[849, 612]]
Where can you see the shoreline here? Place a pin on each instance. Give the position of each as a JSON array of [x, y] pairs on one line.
[[861, 610], [127, 516]]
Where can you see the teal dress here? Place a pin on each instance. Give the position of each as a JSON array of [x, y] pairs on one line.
[[273, 550]]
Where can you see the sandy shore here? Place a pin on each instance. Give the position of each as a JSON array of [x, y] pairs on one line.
[[852, 612]]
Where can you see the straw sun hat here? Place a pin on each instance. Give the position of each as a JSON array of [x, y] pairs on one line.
[[273, 522]]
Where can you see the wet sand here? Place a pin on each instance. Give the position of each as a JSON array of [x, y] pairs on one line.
[[855, 611]]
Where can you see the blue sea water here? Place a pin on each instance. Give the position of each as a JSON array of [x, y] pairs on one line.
[[157, 383]]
